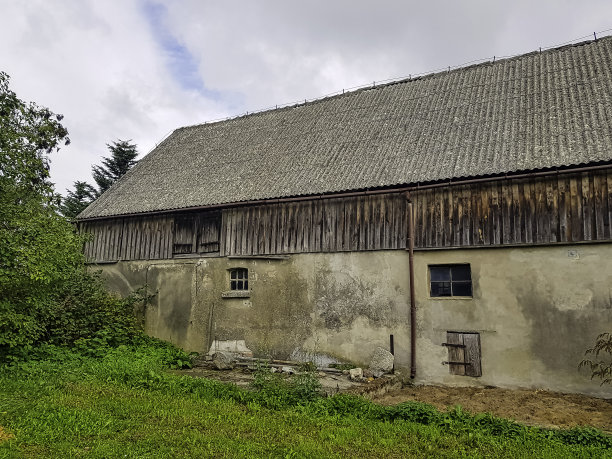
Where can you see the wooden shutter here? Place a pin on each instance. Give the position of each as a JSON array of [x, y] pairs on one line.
[[463, 353]]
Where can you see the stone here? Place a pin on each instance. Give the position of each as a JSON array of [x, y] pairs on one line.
[[367, 373], [356, 374], [288, 370], [222, 360], [382, 362]]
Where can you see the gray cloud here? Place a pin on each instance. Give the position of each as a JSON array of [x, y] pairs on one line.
[[115, 73]]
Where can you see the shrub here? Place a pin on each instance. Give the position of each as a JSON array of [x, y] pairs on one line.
[[600, 367]]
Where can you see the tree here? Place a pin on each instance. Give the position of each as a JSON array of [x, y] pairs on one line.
[[122, 158], [78, 199], [46, 292], [37, 247]]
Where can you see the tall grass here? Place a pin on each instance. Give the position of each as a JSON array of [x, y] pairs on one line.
[[124, 404]]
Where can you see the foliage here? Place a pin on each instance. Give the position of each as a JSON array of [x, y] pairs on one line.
[[600, 367], [122, 158], [28, 133], [46, 294], [77, 200]]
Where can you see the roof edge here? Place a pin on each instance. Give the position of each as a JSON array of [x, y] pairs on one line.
[[399, 188]]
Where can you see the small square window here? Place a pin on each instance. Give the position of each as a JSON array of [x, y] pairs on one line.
[[450, 280], [239, 279]]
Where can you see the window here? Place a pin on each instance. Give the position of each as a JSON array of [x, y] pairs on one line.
[[196, 234], [239, 279], [450, 280], [463, 353]]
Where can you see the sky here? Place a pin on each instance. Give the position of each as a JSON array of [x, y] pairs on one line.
[[138, 69]]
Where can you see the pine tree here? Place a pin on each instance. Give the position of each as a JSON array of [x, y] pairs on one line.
[[77, 200], [123, 157]]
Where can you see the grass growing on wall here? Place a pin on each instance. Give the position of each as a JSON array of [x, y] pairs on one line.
[[123, 404]]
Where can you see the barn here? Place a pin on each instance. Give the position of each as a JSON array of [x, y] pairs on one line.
[[462, 219]]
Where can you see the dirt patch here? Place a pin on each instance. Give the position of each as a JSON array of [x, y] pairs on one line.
[[4, 435], [532, 407]]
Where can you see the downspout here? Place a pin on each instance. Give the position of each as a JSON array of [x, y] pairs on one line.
[[411, 274]]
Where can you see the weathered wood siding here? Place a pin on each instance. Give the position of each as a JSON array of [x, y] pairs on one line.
[[374, 222], [537, 210], [134, 238]]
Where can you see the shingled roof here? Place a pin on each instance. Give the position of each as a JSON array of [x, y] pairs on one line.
[[536, 111]]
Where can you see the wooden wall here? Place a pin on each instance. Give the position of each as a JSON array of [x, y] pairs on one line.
[[563, 208], [134, 238], [538, 210], [375, 222]]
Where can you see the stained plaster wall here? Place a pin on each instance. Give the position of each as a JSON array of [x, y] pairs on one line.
[[536, 309]]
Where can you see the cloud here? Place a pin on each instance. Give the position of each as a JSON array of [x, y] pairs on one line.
[[139, 69]]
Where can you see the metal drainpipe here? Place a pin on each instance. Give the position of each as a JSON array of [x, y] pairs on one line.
[[412, 301]]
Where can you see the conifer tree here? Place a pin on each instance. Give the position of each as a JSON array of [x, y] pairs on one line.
[[122, 158]]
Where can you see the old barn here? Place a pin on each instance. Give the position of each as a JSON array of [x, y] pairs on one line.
[[289, 232]]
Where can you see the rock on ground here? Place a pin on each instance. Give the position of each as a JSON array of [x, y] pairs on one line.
[[223, 360], [382, 362]]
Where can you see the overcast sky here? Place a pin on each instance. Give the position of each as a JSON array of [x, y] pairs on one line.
[[138, 69]]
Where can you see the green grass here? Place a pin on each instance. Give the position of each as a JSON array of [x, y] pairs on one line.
[[125, 405]]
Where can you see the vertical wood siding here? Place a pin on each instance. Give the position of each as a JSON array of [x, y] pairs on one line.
[[539, 210], [375, 222]]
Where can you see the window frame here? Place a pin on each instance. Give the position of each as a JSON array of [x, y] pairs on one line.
[[239, 280], [460, 281]]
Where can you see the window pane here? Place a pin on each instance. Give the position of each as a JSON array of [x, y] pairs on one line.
[[233, 274], [239, 285], [246, 284], [461, 273], [440, 289], [462, 289], [233, 285], [439, 273]]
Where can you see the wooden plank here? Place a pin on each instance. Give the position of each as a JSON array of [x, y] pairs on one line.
[[608, 198], [563, 192], [517, 214], [588, 216], [457, 209], [168, 237], [472, 354], [599, 205], [467, 217], [437, 229], [541, 216], [528, 221], [455, 354], [379, 221], [506, 191], [345, 224], [231, 218], [496, 214], [552, 204], [576, 209], [146, 243], [402, 211], [361, 223], [430, 220]]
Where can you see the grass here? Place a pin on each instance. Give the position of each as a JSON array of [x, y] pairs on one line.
[[125, 405]]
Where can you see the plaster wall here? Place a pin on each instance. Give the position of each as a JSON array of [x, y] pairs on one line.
[[536, 309]]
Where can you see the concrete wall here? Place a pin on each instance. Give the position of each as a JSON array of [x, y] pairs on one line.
[[536, 309]]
